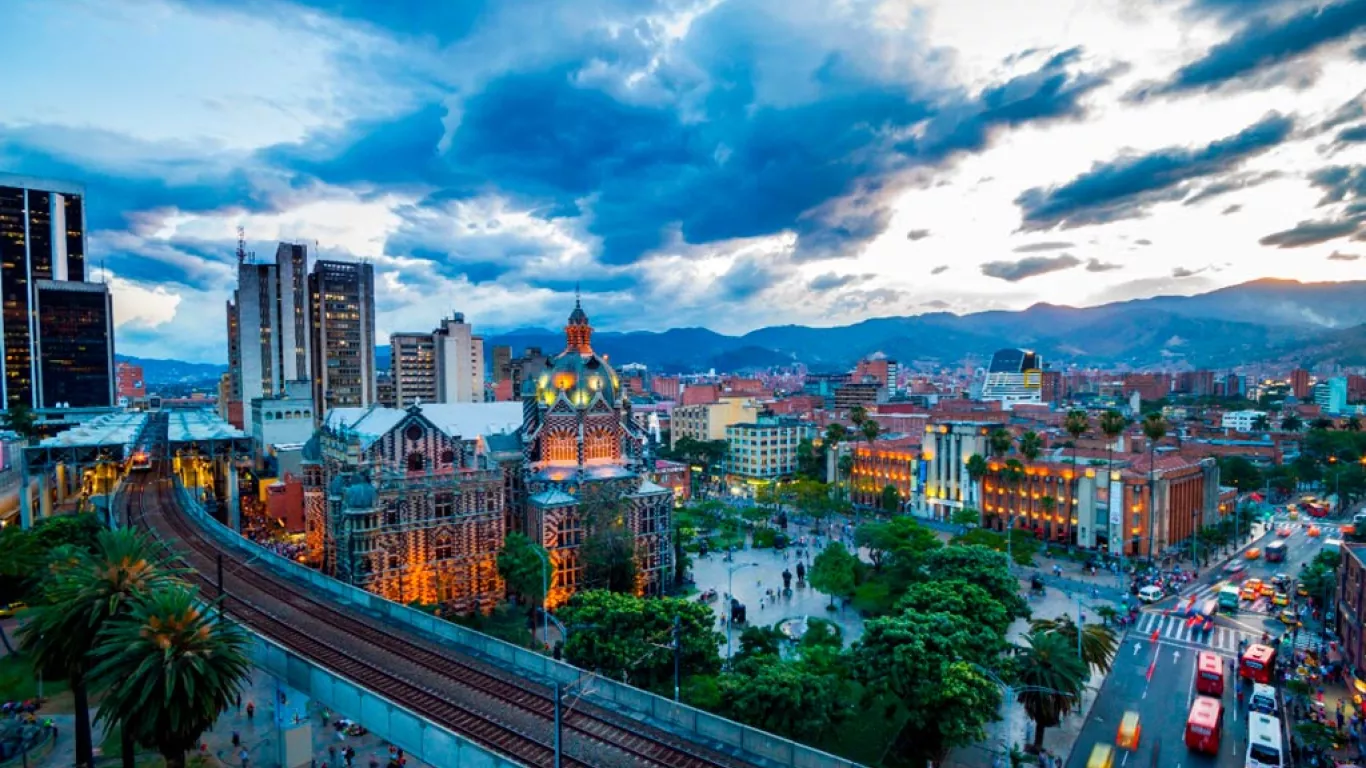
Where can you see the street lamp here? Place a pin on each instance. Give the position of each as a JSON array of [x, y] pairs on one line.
[[730, 592]]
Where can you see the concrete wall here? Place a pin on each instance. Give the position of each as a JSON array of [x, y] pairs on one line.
[[718, 732]]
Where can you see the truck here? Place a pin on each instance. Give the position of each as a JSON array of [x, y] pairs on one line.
[[1228, 599]]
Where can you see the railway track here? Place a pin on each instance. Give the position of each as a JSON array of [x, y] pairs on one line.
[[510, 717]]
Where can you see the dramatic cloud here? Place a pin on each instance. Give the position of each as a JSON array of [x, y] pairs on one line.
[[1266, 42], [1310, 233], [1096, 265], [1353, 135], [1340, 256], [917, 234], [1339, 183], [1125, 187], [1032, 266], [1055, 245]]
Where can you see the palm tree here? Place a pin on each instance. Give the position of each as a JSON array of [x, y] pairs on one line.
[[870, 430], [1031, 445], [1261, 424], [1112, 425], [977, 469], [1098, 641], [1322, 422], [1076, 423], [18, 557], [1011, 474], [21, 420], [1049, 677], [858, 415], [1292, 423], [172, 667], [835, 434], [1000, 442], [83, 591], [1353, 424], [1154, 428]]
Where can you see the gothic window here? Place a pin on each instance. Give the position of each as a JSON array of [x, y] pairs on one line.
[[444, 549], [558, 445], [393, 561], [391, 516], [598, 444], [445, 505], [416, 461], [448, 457]]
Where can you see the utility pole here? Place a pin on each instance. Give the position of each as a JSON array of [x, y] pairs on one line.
[[557, 724]]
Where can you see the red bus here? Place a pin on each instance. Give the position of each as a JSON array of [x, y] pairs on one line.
[[1258, 664], [1205, 725], [1209, 674]]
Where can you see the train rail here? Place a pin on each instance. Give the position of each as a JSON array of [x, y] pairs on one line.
[[488, 706]]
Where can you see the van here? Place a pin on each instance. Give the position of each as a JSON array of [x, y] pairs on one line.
[[1263, 700], [1151, 594]]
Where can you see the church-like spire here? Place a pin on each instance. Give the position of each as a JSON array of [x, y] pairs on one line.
[[578, 333]]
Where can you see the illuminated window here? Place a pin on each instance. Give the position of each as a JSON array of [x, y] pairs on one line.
[[559, 445]]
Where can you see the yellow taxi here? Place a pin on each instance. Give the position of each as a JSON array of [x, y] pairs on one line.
[[1301, 590], [1253, 553], [1252, 589], [1129, 732], [1289, 618], [1268, 589], [12, 609], [1280, 598], [1294, 514], [1102, 756], [1313, 531]]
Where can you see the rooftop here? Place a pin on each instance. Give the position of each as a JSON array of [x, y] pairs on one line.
[[466, 420], [196, 426], [110, 429]]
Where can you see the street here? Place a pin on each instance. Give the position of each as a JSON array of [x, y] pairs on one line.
[[1154, 668]]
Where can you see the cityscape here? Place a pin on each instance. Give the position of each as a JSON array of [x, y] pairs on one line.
[[898, 383]]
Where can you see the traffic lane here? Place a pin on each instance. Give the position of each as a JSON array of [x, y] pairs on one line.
[[1162, 704]]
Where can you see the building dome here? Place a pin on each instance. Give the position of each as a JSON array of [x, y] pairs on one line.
[[578, 372], [361, 495]]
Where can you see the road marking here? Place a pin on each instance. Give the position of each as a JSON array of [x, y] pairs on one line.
[[1125, 761], [1137, 646], [1176, 656]]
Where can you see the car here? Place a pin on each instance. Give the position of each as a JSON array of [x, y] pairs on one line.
[[1280, 581], [1280, 598], [1235, 570], [1253, 553], [1250, 593], [1102, 756], [1151, 594], [1288, 617], [1284, 531], [1301, 590], [1312, 531], [1268, 589], [1129, 732], [1294, 514], [12, 609]]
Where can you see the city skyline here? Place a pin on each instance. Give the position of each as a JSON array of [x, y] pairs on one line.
[[727, 164]]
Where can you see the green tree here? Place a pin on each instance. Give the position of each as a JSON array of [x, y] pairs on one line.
[[608, 552], [1292, 423], [966, 517], [628, 637], [1112, 425], [1261, 424], [1098, 641], [1076, 423], [1031, 445], [21, 420], [526, 573], [1322, 423], [870, 430], [980, 566], [785, 699], [82, 592], [890, 500], [1154, 428], [810, 460], [977, 469], [1239, 473], [858, 415], [832, 572], [1319, 578], [1353, 424], [168, 670], [760, 642], [1000, 442], [960, 598], [1050, 677]]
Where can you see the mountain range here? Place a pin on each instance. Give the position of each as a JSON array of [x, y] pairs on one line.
[[1259, 321]]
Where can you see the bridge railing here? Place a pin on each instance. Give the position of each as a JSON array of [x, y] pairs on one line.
[[680, 718]]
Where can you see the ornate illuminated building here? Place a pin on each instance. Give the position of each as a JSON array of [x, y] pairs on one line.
[[414, 504], [584, 461]]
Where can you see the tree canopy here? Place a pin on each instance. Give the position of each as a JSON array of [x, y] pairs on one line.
[[627, 637], [526, 568]]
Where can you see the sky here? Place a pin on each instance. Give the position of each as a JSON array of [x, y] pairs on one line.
[[731, 164]]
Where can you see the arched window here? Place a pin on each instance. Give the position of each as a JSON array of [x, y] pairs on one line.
[[448, 457], [270, 416], [444, 548], [599, 443], [416, 461], [559, 445]]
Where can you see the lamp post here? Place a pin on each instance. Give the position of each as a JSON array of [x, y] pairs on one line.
[[545, 594], [1008, 691], [730, 592]]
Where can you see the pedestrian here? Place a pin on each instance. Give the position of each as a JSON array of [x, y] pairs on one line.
[[237, 699], [331, 753], [244, 756], [236, 740], [251, 711]]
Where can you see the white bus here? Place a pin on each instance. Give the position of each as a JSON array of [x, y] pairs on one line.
[[1264, 742]]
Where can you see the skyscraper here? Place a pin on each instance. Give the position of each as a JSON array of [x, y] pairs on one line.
[[268, 335], [412, 363], [502, 363], [459, 362], [341, 302], [42, 243]]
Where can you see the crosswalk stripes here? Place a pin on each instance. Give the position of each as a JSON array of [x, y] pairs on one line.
[[1175, 628]]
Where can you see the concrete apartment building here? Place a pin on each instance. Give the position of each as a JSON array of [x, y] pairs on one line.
[[342, 341], [708, 421], [444, 366], [764, 449], [412, 366]]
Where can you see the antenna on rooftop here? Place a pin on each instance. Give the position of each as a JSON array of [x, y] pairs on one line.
[[241, 244]]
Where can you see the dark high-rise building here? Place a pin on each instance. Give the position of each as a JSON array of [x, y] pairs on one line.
[[75, 344], [502, 363], [42, 238], [341, 299], [1299, 385]]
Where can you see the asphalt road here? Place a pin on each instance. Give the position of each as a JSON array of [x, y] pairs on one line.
[[1156, 677]]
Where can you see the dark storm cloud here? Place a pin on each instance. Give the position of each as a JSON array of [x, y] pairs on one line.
[[1096, 265], [917, 234], [939, 270], [1267, 41], [1354, 135], [1310, 233], [1340, 256], [1053, 245], [1032, 266], [1125, 187], [748, 277]]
